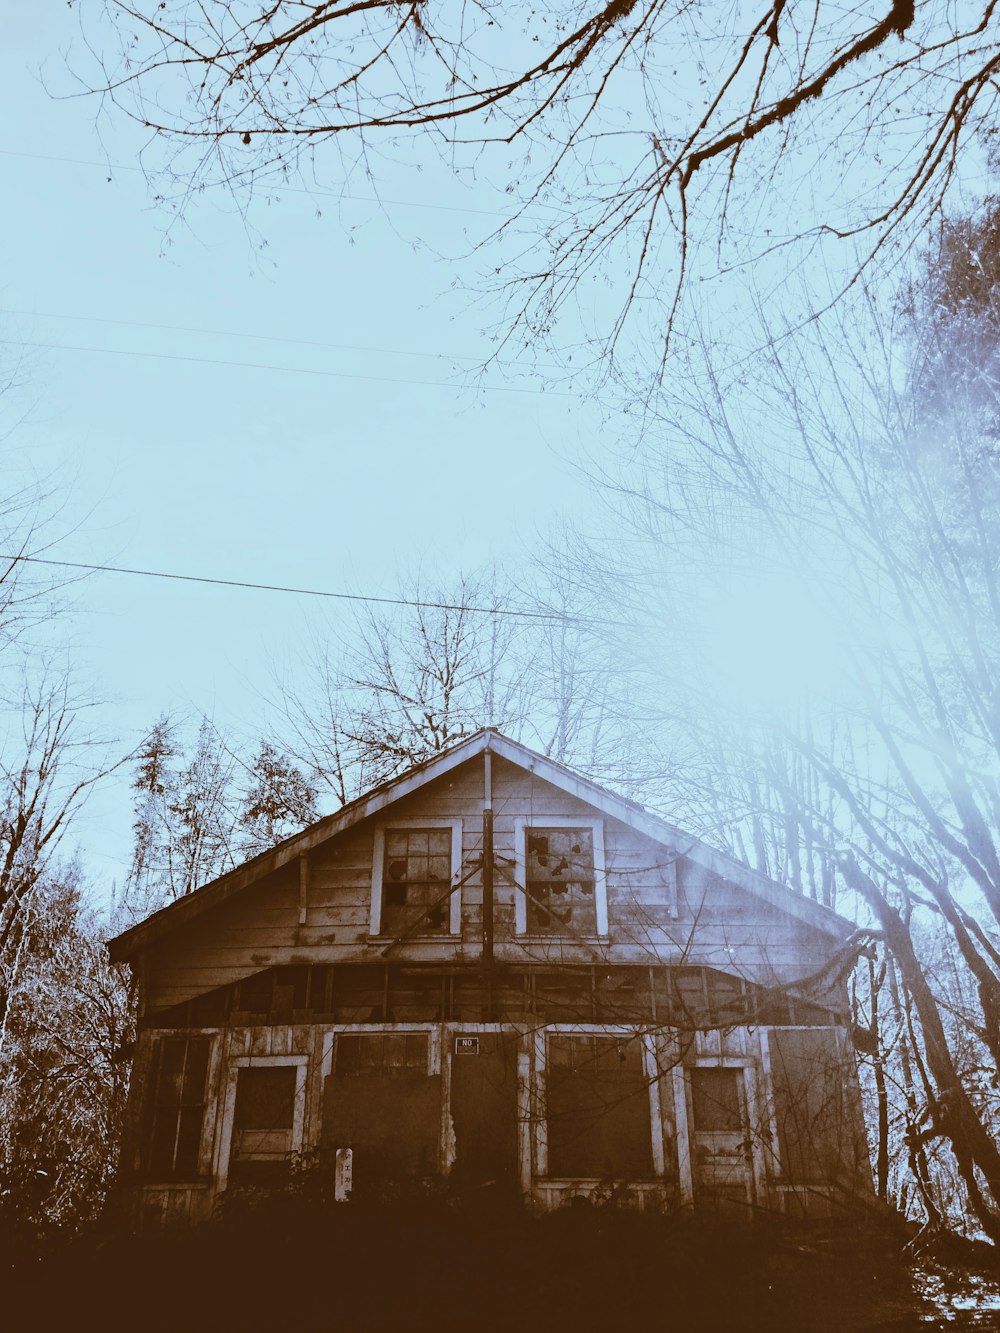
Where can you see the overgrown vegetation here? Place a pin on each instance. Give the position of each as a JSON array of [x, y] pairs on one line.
[[63, 1066], [433, 1266]]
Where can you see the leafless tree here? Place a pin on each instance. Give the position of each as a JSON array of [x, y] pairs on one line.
[[628, 130], [826, 536], [465, 655], [63, 1075], [49, 761]]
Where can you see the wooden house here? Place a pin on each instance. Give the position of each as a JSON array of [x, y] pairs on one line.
[[491, 973]]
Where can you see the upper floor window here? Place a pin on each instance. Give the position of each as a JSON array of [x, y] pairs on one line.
[[560, 877], [413, 868]]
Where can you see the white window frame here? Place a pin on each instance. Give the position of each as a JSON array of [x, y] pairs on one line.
[[521, 826], [301, 1065], [652, 1073], [378, 864], [429, 1030]]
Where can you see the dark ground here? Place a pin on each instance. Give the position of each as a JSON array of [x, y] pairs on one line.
[[436, 1266]]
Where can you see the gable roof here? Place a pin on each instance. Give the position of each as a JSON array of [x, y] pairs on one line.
[[145, 933]]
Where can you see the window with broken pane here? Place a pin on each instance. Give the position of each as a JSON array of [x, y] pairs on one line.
[[559, 881], [416, 875]]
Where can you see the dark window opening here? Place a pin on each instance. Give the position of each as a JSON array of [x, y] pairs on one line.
[[416, 874], [622, 995], [210, 1009], [597, 1108], [256, 994], [559, 881], [360, 994], [178, 1108], [291, 990], [564, 995], [703, 996]]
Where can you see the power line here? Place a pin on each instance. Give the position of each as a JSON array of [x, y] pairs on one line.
[[300, 592], [266, 337], [290, 370], [283, 189]]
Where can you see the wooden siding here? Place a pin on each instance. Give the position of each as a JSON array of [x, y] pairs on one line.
[[459, 1119], [705, 920]]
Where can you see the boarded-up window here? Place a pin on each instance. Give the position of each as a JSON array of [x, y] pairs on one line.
[[381, 1101], [416, 873], [263, 1123], [817, 1135], [597, 1107], [559, 881], [178, 1108]]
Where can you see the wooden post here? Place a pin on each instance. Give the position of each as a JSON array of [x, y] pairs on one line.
[[488, 880], [303, 889]]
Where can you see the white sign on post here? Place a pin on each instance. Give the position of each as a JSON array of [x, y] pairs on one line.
[[343, 1179]]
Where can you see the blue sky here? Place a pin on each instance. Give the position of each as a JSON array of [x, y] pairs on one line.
[[321, 463]]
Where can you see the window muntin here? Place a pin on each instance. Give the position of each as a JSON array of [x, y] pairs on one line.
[[416, 873], [178, 1108], [414, 866], [560, 881]]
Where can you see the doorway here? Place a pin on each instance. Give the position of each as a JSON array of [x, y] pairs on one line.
[[720, 1138], [484, 1110]]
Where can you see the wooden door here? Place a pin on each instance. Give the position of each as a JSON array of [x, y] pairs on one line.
[[484, 1110], [720, 1138]]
